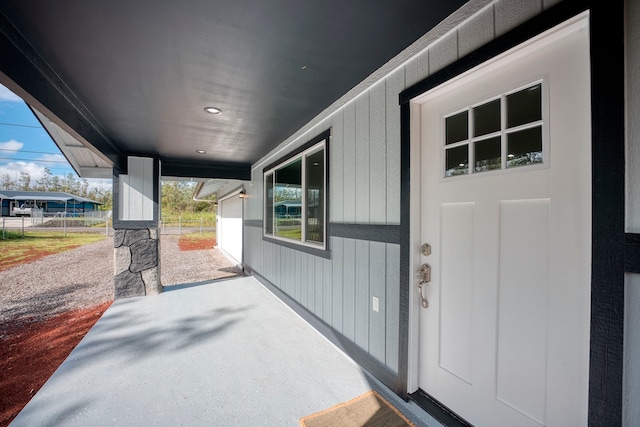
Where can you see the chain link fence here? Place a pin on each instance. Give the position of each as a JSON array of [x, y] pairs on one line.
[[179, 225], [91, 222], [96, 222]]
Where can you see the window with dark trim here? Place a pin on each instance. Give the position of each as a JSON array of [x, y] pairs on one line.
[[295, 193]]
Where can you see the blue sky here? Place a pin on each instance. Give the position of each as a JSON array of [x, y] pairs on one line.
[[26, 147]]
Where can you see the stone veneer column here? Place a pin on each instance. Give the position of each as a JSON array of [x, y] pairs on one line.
[[137, 263]]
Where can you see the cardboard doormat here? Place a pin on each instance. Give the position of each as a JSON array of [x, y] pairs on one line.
[[369, 410]]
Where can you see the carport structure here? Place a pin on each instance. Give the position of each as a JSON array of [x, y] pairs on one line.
[[331, 101], [56, 202]]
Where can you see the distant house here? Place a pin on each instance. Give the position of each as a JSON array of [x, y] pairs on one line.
[[19, 203], [288, 209]]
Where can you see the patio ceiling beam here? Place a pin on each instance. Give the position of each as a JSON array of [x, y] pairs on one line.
[[226, 170], [95, 172]]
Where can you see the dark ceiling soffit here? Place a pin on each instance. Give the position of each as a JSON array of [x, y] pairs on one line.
[[27, 69], [212, 170]]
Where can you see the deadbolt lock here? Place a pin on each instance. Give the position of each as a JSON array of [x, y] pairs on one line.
[[426, 249]]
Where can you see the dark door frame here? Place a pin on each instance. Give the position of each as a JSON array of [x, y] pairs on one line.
[[613, 251]]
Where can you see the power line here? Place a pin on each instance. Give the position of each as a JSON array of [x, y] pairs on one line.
[[61, 169], [20, 125], [34, 160], [27, 151]]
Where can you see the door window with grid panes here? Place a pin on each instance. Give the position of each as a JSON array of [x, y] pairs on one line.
[[502, 133]]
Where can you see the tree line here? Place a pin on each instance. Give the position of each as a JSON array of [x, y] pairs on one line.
[[177, 196], [177, 199], [53, 183]]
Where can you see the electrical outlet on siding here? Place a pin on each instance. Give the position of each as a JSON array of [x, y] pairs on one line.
[[376, 304]]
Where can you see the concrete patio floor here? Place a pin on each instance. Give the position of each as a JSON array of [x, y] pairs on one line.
[[222, 353]]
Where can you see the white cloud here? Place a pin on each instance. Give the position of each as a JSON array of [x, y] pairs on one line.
[[7, 95], [13, 169], [52, 158], [12, 145], [102, 183]]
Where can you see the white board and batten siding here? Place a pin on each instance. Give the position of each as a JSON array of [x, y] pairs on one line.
[[364, 185], [136, 190], [339, 290]]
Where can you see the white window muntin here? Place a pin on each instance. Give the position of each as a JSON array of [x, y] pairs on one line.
[[502, 133]]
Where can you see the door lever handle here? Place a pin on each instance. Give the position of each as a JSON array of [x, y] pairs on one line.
[[425, 277], [423, 301]]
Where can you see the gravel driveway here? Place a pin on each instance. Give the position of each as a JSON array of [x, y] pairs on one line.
[[83, 277]]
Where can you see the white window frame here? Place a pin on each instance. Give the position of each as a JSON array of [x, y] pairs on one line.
[[302, 156]]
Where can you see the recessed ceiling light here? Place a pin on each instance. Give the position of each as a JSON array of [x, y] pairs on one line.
[[213, 110], [201, 152]]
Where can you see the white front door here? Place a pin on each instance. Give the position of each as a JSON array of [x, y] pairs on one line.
[[505, 204]]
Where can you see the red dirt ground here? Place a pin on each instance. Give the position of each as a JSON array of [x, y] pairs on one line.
[[30, 351], [34, 255], [194, 243]]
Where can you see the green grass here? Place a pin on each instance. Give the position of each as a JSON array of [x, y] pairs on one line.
[[10, 235], [295, 234]]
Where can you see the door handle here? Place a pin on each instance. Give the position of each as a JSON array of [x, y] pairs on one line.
[[423, 301], [425, 277]]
